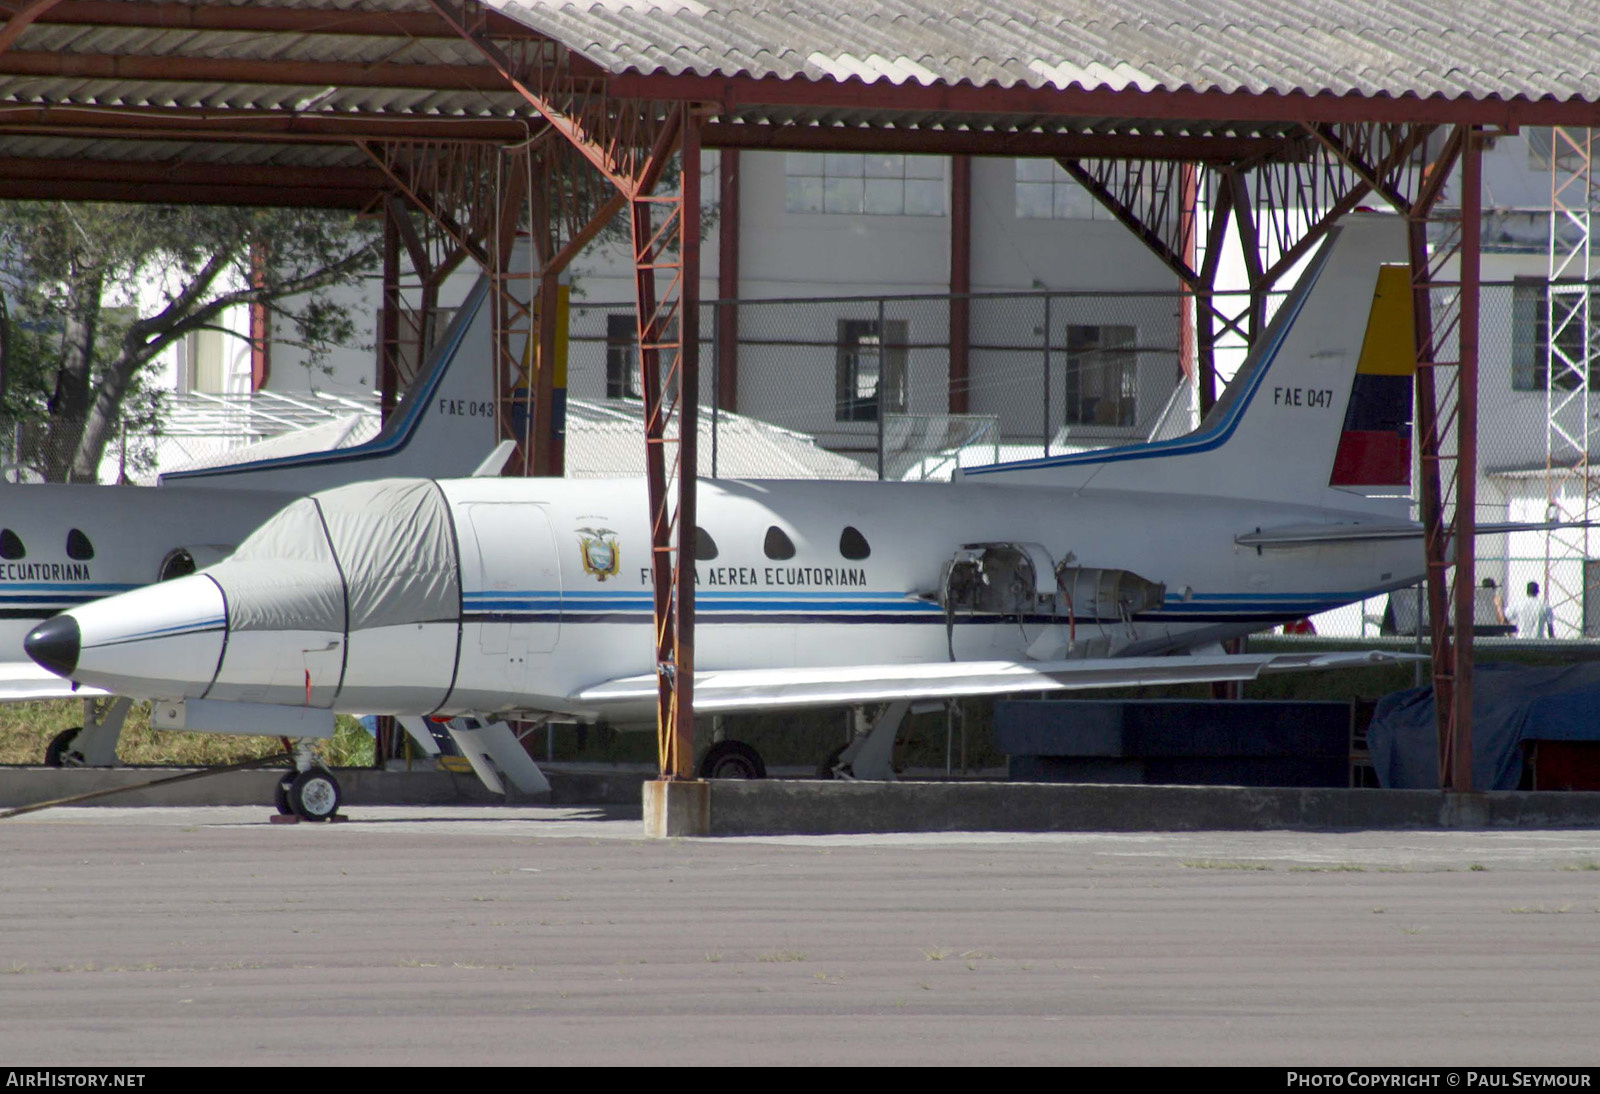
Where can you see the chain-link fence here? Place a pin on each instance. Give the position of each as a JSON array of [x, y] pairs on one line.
[[41, 449], [863, 387], [193, 430], [869, 379]]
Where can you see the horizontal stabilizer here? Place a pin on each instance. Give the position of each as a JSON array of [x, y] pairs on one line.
[[765, 689], [496, 460]]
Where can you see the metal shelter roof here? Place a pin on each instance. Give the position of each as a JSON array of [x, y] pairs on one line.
[[262, 103], [1454, 48], [173, 100]]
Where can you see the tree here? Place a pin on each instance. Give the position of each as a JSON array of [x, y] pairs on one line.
[[90, 294]]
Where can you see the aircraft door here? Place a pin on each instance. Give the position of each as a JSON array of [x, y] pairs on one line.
[[517, 594]]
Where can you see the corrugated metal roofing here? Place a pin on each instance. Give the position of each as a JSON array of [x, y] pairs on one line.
[[1452, 48], [380, 55], [73, 82]]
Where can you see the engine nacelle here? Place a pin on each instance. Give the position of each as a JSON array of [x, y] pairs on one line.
[[1091, 592]]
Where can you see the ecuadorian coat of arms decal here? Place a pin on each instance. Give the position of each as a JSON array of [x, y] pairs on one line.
[[601, 556]]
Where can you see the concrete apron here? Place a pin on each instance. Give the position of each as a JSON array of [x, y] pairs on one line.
[[730, 807]]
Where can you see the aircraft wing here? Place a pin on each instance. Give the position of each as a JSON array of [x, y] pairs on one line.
[[24, 682], [1311, 535], [764, 689]]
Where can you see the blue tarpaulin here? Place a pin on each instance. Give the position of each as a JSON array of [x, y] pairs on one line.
[[1510, 704]]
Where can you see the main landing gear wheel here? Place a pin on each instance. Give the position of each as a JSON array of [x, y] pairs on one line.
[[58, 753], [280, 794], [732, 760], [827, 769], [313, 795]]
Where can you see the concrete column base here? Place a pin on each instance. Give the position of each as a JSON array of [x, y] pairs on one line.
[[677, 808]]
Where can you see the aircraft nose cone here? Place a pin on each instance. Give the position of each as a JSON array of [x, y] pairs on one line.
[[54, 644]]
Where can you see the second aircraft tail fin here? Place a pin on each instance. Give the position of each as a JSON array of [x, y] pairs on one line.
[[445, 426]]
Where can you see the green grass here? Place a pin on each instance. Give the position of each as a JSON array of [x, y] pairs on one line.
[[26, 729]]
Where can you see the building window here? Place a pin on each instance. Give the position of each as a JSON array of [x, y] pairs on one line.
[[871, 369], [852, 182], [622, 356], [1530, 337], [1571, 148], [1102, 376], [1046, 192]]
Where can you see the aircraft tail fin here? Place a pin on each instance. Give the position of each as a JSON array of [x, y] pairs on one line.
[[1375, 443], [1321, 404], [444, 428]]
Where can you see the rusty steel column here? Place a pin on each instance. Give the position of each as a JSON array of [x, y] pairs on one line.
[[389, 317], [1205, 302], [960, 283], [1430, 486], [543, 433], [655, 472], [659, 239], [1460, 745], [1189, 252], [688, 443], [728, 233], [1435, 321]]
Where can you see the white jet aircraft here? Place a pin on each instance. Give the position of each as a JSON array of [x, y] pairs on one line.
[[533, 596], [62, 546]]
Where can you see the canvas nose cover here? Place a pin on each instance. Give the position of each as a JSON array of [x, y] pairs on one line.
[[368, 555]]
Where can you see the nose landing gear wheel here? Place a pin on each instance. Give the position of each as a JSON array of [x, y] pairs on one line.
[[59, 752], [732, 760], [313, 795]]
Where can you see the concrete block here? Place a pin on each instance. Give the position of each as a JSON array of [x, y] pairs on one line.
[[677, 808], [771, 807]]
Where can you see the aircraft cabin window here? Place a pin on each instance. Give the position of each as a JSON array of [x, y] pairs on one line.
[[853, 545], [78, 546], [705, 548], [11, 547], [778, 546]]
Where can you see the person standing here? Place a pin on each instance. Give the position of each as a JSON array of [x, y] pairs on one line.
[[1533, 616], [1489, 597]]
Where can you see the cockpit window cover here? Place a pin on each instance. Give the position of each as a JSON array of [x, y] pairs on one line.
[[11, 547], [705, 548], [778, 545], [853, 545], [383, 551], [78, 546]]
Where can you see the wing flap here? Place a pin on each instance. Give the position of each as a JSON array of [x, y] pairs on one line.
[[770, 689]]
